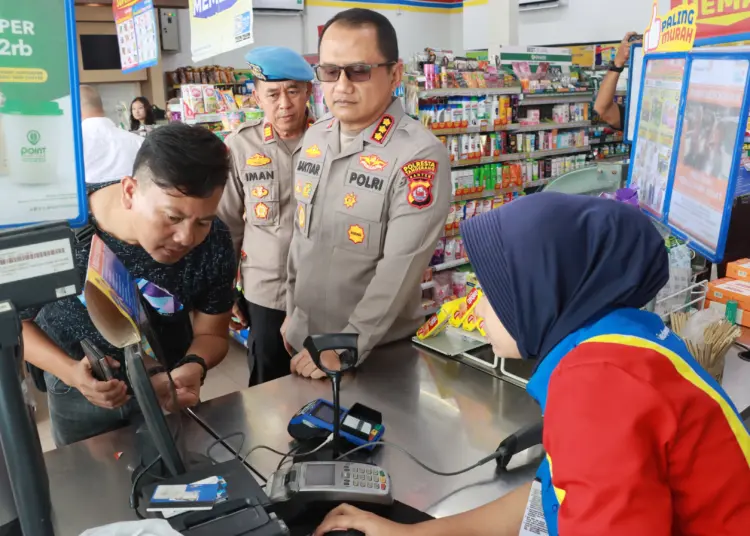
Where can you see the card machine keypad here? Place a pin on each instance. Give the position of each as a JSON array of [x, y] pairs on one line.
[[364, 476]]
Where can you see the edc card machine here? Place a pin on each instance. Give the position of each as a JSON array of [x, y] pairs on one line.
[[359, 425]]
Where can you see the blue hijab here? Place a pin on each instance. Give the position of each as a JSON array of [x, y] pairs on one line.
[[551, 263]]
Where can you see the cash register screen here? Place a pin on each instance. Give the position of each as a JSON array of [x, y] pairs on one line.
[[323, 474]]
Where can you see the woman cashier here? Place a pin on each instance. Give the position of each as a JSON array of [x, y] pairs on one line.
[[639, 439]]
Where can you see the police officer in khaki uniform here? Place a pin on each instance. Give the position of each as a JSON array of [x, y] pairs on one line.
[[263, 155], [372, 187]]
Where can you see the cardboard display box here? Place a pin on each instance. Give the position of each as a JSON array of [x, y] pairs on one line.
[[739, 270]]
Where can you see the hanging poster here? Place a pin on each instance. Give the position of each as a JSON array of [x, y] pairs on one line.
[[657, 122], [673, 32], [720, 20], [136, 34], [41, 169], [703, 185], [218, 26]]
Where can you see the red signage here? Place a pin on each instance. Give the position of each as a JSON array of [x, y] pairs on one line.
[[719, 20]]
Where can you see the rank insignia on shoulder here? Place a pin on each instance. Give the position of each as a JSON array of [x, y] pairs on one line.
[[350, 200], [356, 234], [420, 175], [267, 132], [372, 162], [381, 131], [313, 152], [258, 159]]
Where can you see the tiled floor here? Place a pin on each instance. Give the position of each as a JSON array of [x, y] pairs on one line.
[[230, 376]]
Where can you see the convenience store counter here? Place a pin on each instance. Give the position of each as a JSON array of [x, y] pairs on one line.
[[446, 414]]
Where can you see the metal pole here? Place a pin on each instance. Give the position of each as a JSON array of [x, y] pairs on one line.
[[21, 449]]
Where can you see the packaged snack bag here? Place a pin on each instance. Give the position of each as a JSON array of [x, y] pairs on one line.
[[458, 316], [471, 322], [192, 101], [437, 322], [210, 102]]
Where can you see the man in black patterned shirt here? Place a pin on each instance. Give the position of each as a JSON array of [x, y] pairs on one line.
[[161, 223]]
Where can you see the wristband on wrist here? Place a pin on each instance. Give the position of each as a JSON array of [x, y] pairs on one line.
[[614, 68], [192, 358]]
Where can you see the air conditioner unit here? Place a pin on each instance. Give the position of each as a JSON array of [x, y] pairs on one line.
[[534, 5], [279, 5]]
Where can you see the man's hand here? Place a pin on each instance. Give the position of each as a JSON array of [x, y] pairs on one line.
[[241, 322], [623, 52], [303, 364], [348, 517], [187, 384], [109, 395], [283, 336]]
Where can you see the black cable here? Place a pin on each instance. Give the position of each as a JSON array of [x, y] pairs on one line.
[[481, 462], [291, 453], [222, 440], [133, 494]]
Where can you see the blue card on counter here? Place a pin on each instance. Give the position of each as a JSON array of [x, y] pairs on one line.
[[196, 496]]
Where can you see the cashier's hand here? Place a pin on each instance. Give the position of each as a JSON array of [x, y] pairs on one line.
[[347, 517], [109, 395], [187, 383], [303, 365]]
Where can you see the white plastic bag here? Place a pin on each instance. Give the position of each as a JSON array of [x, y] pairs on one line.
[[147, 527], [680, 277]]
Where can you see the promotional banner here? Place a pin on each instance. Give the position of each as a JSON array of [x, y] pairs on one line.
[[41, 165], [673, 32], [136, 34], [652, 157], [701, 199], [720, 20], [218, 26]]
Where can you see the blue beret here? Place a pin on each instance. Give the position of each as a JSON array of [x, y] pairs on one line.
[[275, 64]]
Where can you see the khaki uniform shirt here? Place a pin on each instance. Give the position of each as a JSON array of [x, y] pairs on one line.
[[260, 188], [366, 225]]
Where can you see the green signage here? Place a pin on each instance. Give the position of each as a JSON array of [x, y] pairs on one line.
[[39, 118]]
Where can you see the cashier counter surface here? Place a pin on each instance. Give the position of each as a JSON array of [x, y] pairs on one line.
[[448, 414]]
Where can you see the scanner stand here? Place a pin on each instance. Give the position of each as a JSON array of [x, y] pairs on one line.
[[147, 452]]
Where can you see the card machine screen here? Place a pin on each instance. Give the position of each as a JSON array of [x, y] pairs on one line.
[[324, 412], [320, 475]]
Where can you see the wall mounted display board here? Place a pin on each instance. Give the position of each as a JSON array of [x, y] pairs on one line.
[[708, 159], [41, 158], [656, 125]]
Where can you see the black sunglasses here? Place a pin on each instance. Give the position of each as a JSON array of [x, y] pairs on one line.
[[355, 72]]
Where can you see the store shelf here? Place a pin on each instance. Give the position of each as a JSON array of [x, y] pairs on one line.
[[178, 86], [450, 265], [608, 139], [613, 158], [552, 126], [473, 195], [534, 99], [428, 285], [473, 130], [203, 118], [520, 156], [558, 152], [468, 92]]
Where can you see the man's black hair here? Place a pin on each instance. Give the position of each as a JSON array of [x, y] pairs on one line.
[[191, 160], [357, 18]]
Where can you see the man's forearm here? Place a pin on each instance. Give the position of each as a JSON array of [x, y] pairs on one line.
[[605, 99], [42, 351], [212, 348], [502, 517]]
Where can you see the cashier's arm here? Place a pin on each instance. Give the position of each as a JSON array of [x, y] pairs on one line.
[[502, 517], [412, 233], [210, 337]]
